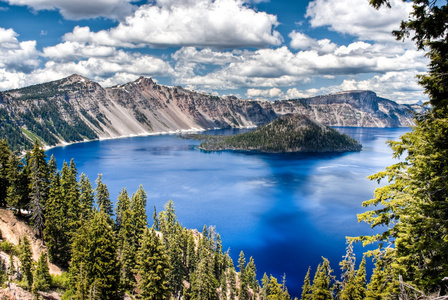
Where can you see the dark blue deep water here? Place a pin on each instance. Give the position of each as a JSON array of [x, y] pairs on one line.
[[285, 210]]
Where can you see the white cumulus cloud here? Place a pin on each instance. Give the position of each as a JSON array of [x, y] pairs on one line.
[[201, 23], [17, 56], [357, 18]]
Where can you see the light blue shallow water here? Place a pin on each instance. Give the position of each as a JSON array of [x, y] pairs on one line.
[[285, 210]]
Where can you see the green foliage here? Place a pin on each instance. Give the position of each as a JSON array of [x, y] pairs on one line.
[[306, 288], [26, 261], [94, 266], [7, 247], [42, 278], [61, 281], [102, 197], [321, 289], [413, 206], [153, 268]]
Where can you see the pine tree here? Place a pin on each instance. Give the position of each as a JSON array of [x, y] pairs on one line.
[[18, 188], [155, 218], [276, 291], [56, 230], [203, 283], [321, 288], [153, 267], [26, 260], [138, 208], [243, 295], [102, 197], [306, 288], [39, 187], [383, 283], [167, 218], [70, 190], [413, 203], [265, 290], [86, 197], [95, 269], [42, 278], [127, 241], [251, 275], [360, 281], [5, 153]]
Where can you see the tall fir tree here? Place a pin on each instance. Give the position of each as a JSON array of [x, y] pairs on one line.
[[103, 198], [413, 203], [86, 197], [321, 288], [42, 278], [26, 260], [243, 294], [38, 187], [306, 287], [153, 268], [95, 269], [5, 153], [18, 188]]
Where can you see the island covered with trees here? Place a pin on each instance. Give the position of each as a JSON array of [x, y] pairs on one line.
[[288, 133]]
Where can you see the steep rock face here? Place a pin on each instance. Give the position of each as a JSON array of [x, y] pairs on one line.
[[76, 109], [352, 109]]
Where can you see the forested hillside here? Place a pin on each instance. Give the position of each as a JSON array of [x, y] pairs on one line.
[[288, 133]]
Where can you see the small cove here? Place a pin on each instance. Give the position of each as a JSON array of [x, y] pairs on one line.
[[285, 210]]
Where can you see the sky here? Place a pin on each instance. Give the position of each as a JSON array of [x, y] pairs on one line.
[[253, 49]]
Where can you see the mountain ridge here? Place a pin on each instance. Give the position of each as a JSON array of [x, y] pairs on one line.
[[75, 109]]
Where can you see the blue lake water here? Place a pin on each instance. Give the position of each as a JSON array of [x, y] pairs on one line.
[[285, 210]]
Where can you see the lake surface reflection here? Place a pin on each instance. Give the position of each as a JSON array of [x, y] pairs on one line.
[[285, 210]]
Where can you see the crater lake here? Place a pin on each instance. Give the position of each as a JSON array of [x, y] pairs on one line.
[[284, 210]]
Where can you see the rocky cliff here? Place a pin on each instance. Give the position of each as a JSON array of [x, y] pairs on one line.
[[77, 109]]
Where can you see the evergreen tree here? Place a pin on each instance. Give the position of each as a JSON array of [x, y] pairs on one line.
[[276, 291], [153, 267], [243, 295], [167, 218], [95, 269], [360, 281], [413, 204], [306, 288], [39, 187], [383, 283], [127, 241], [42, 278], [70, 190], [18, 189], [56, 230], [26, 260], [138, 208], [102, 197], [123, 204], [155, 218], [86, 197], [265, 290], [203, 283], [5, 153], [321, 288], [251, 275]]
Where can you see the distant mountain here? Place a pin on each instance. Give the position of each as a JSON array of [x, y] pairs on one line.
[[288, 133], [77, 109]]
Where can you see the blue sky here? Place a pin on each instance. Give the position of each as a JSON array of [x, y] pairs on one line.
[[255, 49]]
